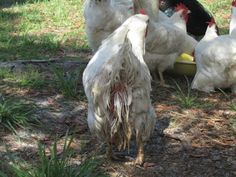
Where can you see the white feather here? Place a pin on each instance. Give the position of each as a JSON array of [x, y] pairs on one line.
[[216, 62], [117, 84], [103, 17]]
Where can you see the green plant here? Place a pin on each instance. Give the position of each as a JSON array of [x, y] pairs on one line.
[[186, 98], [232, 104], [67, 82], [59, 165], [54, 165], [233, 124], [4, 72], [31, 78], [15, 114]]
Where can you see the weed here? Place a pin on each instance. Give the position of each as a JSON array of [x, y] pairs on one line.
[[15, 114], [67, 82], [233, 124], [31, 78], [186, 99], [232, 104], [59, 165], [4, 73]]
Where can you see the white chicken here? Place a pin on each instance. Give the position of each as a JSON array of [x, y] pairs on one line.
[[232, 26], [117, 84], [216, 61], [166, 40], [102, 17], [180, 11]]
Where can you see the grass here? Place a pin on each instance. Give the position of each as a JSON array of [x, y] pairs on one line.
[[186, 98], [67, 82], [233, 124], [15, 114], [58, 164], [41, 29], [44, 29], [5, 73], [232, 105], [29, 78], [221, 11]]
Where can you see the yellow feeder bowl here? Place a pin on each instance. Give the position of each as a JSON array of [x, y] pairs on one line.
[[185, 65]]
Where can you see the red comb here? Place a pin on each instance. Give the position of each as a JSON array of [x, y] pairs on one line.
[[234, 3], [142, 11], [212, 22], [181, 6]]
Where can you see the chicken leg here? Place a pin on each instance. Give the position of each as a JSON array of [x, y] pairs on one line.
[[109, 153], [140, 154], [109, 150], [162, 81]]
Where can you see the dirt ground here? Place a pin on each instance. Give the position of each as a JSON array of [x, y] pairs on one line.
[[187, 142]]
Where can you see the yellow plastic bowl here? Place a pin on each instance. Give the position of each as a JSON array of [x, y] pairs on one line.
[[185, 65]]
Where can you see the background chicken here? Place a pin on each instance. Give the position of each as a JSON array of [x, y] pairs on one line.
[[232, 26], [166, 40], [102, 17], [216, 61], [198, 17], [117, 84]]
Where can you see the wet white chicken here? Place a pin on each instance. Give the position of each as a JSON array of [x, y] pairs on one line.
[[102, 17], [117, 84], [216, 61]]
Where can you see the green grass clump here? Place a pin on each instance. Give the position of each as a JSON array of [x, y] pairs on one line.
[[5, 73], [233, 106], [59, 164], [14, 114], [186, 98], [233, 124], [29, 78], [67, 82]]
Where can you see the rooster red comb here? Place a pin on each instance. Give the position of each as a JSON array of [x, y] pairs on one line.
[[142, 11], [212, 22], [181, 6], [234, 3]]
